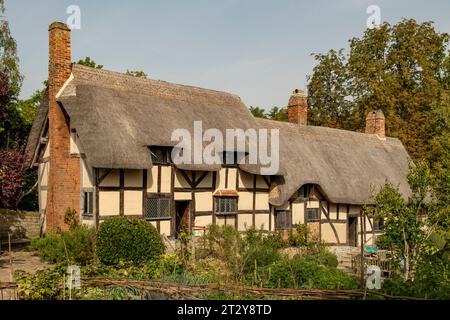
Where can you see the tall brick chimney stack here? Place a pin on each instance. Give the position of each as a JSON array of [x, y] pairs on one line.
[[64, 173], [376, 124], [298, 108]]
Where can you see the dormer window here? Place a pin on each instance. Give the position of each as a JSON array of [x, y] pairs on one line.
[[161, 155], [231, 158]]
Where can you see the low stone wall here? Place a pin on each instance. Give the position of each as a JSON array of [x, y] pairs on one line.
[[21, 224]]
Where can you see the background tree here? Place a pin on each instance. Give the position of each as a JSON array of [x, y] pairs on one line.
[[420, 242], [278, 114], [402, 70], [137, 74], [328, 86], [88, 62], [258, 112], [10, 80], [17, 180]]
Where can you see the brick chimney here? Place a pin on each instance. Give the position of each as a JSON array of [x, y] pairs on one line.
[[298, 108], [376, 124], [64, 173]]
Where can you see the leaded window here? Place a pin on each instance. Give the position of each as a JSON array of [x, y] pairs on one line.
[[282, 220], [312, 215], [88, 206], [225, 205], [157, 208]]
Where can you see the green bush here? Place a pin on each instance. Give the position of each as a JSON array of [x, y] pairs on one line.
[[306, 272], [260, 249], [76, 246], [328, 258], [43, 285], [123, 240], [299, 236], [221, 242]]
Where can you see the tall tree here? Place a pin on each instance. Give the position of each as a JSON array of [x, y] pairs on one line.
[[402, 70], [10, 78], [328, 86], [9, 61]]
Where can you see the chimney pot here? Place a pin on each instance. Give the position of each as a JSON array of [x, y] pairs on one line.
[[298, 108], [376, 124]]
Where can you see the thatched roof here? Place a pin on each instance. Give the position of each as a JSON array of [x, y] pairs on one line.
[[346, 165], [118, 116], [36, 129]]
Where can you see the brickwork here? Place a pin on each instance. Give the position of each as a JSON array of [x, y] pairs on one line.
[[64, 177], [298, 108], [376, 123]]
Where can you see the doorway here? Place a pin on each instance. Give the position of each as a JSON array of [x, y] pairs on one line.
[[352, 231], [182, 217]]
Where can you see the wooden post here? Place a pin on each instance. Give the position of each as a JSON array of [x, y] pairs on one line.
[[362, 252], [11, 272]]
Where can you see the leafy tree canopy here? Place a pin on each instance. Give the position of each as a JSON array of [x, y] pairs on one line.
[[88, 62], [404, 70], [279, 114]]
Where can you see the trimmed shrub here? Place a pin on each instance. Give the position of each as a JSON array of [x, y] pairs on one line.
[[122, 240]]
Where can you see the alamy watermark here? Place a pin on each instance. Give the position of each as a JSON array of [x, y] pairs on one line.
[[73, 277], [74, 19], [258, 147], [374, 19]]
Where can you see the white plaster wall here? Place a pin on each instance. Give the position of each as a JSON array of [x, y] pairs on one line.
[[245, 201], [203, 201], [109, 203], [133, 203]]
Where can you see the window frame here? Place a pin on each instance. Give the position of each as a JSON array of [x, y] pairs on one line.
[[217, 206], [166, 154], [317, 214], [88, 204], [158, 198], [287, 224]]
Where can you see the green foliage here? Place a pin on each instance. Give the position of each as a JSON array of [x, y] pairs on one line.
[[420, 243], [278, 114], [260, 250], [43, 285], [76, 246], [222, 242], [137, 74], [306, 272], [70, 218], [122, 240], [9, 61], [402, 70], [258, 112], [88, 62], [299, 236]]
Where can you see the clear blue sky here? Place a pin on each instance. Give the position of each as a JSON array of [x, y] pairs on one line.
[[259, 50]]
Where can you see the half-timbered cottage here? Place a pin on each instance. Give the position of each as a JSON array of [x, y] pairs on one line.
[[102, 144]]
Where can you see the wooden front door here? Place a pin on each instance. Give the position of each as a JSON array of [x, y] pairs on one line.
[[182, 218], [352, 231]]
